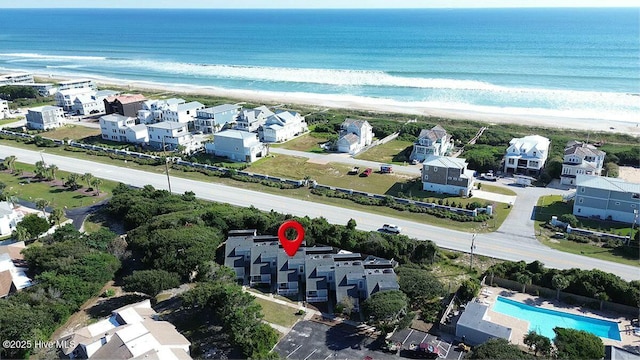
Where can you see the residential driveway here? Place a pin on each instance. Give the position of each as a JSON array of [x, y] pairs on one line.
[[481, 194]]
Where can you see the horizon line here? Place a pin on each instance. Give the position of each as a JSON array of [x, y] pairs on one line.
[[330, 8]]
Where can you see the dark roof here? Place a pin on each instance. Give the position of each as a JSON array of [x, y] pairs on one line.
[[436, 132], [6, 281]]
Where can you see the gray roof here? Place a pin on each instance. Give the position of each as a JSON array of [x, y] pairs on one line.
[[348, 272], [220, 108], [5, 208], [582, 149], [435, 133], [616, 353], [115, 117], [190, 106], [350, 138], [234, 134], [261, 252], [473, 318], [607, 183], [287, 273], [357, 123], [45, 108], [445, 162]]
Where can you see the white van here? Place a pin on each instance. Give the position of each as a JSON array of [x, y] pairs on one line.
[[391, 228]]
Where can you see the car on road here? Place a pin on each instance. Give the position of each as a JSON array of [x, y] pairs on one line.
[[391, 228], [366, 172]]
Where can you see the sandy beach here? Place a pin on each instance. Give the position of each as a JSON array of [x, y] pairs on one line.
[[376, 105]]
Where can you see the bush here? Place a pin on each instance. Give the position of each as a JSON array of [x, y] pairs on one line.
[[569, 219], [151, 282], [34, 224]]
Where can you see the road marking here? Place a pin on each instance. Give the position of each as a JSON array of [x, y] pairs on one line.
[[405, 339], [459, 356], [328, 356], [293, 351], [424, 338], [314, 350]]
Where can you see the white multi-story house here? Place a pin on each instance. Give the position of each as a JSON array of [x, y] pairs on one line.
[[16, 78], [237, 145], [283, 126], [9, 218], [447, 175], [213, 119], [115, 127], [45, 117], [4, 106], [183, 113], [252, 119], [606, 198], [355, 135], [580, 158], [65, 98], [526, 155], [91, 104], [168, 135], [152, 111], [76, 84], [435, 141]]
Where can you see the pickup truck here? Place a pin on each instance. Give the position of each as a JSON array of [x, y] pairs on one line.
[[488, 176], [355, 170]]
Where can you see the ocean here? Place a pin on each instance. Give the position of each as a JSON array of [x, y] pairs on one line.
[[581, 63]]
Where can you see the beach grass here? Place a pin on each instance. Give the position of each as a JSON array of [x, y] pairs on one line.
[[392, 152]]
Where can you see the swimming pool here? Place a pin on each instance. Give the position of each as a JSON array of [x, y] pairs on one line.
[[543, 320]]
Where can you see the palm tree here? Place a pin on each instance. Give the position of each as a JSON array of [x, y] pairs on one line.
[[21, 234], [523, 279], [52, 170], [10, 163], [41, 169], [87, 177], [56, 216], [560, 282], [95, 183], [42, 204], [72, 181]]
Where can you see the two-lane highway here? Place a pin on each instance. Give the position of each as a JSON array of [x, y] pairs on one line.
[[508, 246]]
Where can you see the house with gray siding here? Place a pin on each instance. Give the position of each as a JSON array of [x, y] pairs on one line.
[[435, 141], [237, 145], [213, 119], [606, 198], [45, 117], [447, 175], [260, 261], [252, 119]]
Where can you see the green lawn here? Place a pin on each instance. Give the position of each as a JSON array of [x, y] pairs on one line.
[[23, 187], [497, 189], [331, 174], [74, 132], [278, 314], [553, 205], [308, 142], [4, 122], [391, 152]]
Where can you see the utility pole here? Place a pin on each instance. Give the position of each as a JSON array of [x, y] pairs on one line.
[[166, 163], [473, 247]]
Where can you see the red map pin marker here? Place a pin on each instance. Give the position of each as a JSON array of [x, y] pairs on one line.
[[291, 246]]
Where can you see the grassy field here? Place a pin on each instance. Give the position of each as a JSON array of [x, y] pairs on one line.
[[59, 197], [553, 205], [330, 174], [308, 142], [8, 121], [391, 152], [74, 132], [497, 189], [278, 314]]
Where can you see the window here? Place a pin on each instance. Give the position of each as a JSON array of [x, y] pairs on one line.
[[580, 200], [435, 169], [617, 202], [582, 189], [426, 177], [511, 161], [636, 196]]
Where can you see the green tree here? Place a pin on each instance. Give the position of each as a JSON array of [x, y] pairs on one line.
[[611, 170], [577, 344], [41, 169], [569, 219], [87, 177], [21, 234], [468, 290], [34, 224], [351, 224], [10, 163], [539, 343], [524, 279], [66, 232], [385, 308], [56, 216], [41, 204], [95, 183], [423, 289], [499, 349], [3, 195], [151, 282], [53, 169], [72, 181], [560, 282]]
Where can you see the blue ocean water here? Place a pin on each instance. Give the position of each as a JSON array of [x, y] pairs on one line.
[[568, 62]]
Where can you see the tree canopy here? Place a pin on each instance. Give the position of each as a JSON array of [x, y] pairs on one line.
[[151, 282], [499, 349], [385, 308], [574, 344]]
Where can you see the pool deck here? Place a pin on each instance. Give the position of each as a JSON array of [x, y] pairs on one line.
[[488, 296]]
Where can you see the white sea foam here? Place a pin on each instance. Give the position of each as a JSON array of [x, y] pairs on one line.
[[43, 57]]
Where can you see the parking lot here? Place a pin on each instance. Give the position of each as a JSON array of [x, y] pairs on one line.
[[309, 340]]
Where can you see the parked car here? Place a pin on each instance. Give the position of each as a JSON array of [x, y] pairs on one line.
[[367, 172], [391, 228], [354, 170], [386, 169]]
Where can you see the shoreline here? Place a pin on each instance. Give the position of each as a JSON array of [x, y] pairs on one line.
[[358, 103]]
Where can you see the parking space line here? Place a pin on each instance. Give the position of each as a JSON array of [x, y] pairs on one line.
[[308, 356], [460, 356], [294, 351], [328, 356], [424, 338], [405, 339]]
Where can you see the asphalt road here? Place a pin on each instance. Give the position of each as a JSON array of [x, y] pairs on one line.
[[508, 245]]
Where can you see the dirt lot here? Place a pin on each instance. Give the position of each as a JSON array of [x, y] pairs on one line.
[[630, 174]]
